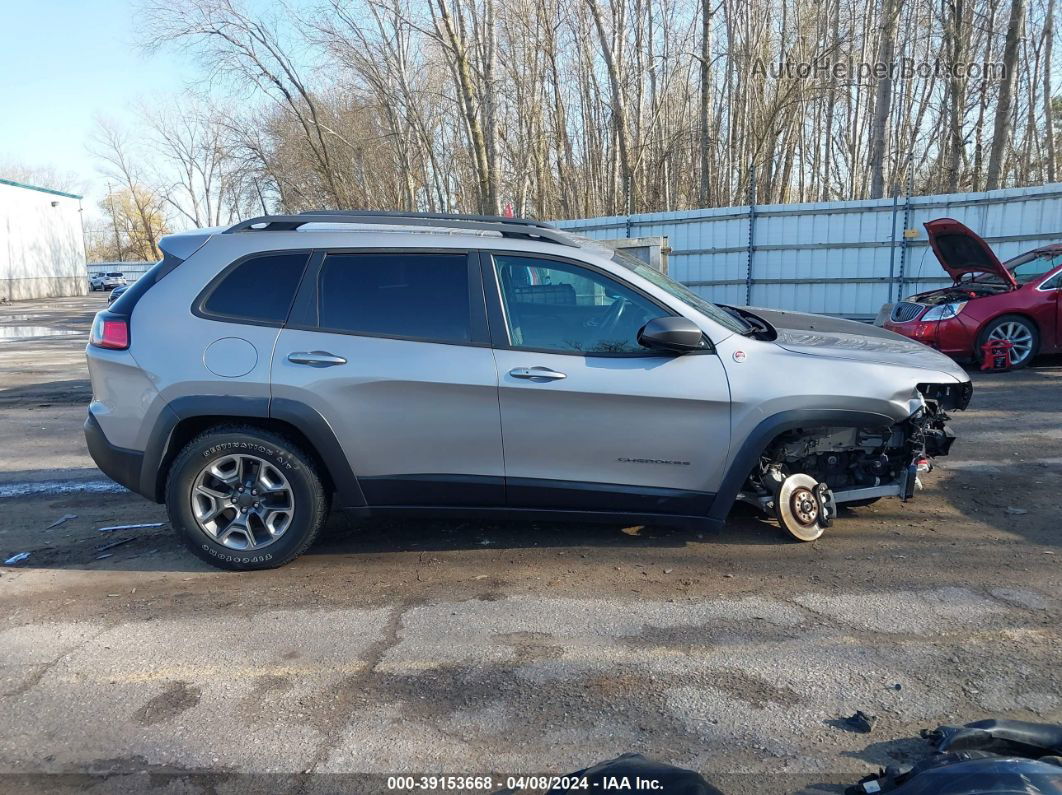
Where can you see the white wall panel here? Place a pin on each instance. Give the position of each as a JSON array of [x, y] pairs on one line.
[[42, 249]]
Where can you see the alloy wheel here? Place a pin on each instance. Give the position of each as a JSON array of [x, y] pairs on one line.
[[243, 502], [1019, 335]]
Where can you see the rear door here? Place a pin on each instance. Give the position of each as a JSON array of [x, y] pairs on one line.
[[391, 348], [590, 419]]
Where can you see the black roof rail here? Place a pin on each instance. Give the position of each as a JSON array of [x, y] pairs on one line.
[[506, 227]]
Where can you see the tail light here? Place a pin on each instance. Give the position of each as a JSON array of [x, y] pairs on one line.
[[110, 331]]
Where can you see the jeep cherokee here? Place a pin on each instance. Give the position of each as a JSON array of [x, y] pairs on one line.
[[259, 375]]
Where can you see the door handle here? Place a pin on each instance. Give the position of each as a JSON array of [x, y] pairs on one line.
[[316, 358], [541, 374]]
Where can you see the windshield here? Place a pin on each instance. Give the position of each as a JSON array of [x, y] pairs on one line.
[[680, 291], [1031, 265]]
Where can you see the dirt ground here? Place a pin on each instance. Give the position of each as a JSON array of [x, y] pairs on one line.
[[471, 648]]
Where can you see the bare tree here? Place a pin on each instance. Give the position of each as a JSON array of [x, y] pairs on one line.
[[142, 205], [890, 11], [1049, 120], [1005, 104], [588, 107]]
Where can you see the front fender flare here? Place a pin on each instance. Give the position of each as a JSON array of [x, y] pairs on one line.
[[746, 456]]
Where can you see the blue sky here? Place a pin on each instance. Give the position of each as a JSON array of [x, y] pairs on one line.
[[63, 62]]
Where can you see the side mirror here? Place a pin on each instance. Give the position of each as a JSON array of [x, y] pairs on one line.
[[674, 334]]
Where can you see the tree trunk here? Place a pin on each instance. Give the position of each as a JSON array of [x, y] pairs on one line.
[[619, 110], [487, 197], [1004, 105], [1049, 120], [704, 194], [883, 98]]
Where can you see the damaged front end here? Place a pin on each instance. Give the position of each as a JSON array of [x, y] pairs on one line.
[[805, 473]]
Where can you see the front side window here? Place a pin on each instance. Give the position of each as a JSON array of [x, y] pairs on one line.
[[557, 306], [1054, 283], [260, 289], [422, 296]]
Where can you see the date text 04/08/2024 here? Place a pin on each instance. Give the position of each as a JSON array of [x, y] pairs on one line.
[[532, 782]]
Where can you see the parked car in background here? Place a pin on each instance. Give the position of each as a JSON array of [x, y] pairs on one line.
[[116, 293], [1019, 300], [376, 362], [107, 281]]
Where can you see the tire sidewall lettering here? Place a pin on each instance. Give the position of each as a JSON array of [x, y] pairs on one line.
[[224, 448], [263, 558]]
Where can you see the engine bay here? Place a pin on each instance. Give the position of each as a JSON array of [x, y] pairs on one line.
[[964, 291]]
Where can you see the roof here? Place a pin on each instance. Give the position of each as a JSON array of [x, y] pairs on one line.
[[38, 188]]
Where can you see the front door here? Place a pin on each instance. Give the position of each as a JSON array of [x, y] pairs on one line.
[[590, 419], [1051, 292], [391, 349]]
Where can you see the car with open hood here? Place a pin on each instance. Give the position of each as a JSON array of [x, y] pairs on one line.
[[988, 300]]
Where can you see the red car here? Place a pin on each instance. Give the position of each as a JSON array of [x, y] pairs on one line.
[[1018, 300]]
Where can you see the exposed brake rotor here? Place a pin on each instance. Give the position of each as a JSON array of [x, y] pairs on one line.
[[803, 507]]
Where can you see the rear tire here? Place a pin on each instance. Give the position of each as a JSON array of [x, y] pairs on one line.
[[1020, 330], [243, 498]]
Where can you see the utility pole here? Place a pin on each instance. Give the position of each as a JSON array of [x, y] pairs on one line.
[[114, 222]]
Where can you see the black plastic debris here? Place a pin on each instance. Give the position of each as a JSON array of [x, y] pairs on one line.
[[967, 773], [982, 758], [1011, 737]]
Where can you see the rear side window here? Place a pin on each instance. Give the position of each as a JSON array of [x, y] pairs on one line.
[[417, 295], [258, 290]]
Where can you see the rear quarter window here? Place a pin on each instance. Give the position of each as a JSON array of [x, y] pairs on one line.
[[259, 289], [123, 305]]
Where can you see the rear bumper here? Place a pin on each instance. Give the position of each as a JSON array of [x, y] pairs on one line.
[[120, 465]]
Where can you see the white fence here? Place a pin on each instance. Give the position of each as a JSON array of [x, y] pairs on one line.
[[131, 270], [837, 258]]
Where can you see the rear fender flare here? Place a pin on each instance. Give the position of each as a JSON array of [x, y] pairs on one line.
[[231, 408]]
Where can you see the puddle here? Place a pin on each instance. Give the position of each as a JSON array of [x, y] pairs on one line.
[[22, 318], [27, 332]]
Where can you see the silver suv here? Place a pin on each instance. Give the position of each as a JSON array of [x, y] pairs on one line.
[[431, 365]]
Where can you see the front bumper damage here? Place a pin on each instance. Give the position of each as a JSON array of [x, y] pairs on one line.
[[860, 465]]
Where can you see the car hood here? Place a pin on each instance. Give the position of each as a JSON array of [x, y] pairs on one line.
[[818, 335], [961, 251]]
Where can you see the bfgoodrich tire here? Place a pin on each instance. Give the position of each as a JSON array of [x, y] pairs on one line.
[[243, 498]]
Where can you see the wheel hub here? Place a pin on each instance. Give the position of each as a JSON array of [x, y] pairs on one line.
[[805, 507]]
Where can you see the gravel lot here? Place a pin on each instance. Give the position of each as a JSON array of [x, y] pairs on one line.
[[498, 648]]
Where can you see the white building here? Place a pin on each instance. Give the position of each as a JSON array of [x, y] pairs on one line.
[[42, 247]]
